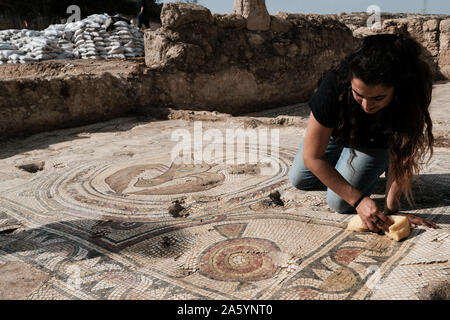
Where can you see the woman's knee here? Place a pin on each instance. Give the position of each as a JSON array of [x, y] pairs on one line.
[[296, 180], [338, 204], [302, 181]]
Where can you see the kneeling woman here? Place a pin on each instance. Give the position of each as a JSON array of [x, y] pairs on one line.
[[369, 116]]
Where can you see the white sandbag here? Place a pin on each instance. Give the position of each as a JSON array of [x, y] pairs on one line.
[[65, 56], [8, 53], [57, 27], [78, 38], [42, 49], [27, 59], [7, 46], [117, 56], [123, 32], [94, 25], [68, 35], [38, 52], [78, 32], [116, 50], [79, 43], [121, 24], [45, 56], [98, 18], [86, 38], [52, 33]]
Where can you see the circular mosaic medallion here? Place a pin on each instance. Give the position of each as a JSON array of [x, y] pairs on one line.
[[243, 259], [146, 188]]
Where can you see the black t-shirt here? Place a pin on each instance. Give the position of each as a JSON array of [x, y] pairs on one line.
[[371, 131]]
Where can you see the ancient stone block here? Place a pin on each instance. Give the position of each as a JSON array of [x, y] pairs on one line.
[[176, 14], [156, 46], [415, 28], [292, 50], [278, 24], [255, 11], [431, 25], [230, 21], [399, 26], [280, 48], [444, 41], [445, 26], [255, 39], [444, 62]]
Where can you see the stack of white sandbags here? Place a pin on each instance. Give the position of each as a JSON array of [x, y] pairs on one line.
[[29, 46], [86, 39], [7, 50], [92, 41]]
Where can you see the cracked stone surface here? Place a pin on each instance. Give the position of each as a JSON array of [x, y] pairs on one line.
[[94, 222]]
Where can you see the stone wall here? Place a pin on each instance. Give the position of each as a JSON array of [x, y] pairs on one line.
[[213, 62], [200, 61], [444, 47], [432, 31], [57, 94]]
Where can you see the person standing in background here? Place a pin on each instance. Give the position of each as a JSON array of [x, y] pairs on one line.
[[142, 14]]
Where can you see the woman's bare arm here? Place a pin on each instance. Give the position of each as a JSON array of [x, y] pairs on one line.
[[392, 205], [314, 147], [393, 195], [315, 144]]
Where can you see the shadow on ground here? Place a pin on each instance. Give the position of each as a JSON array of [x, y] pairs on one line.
[[13, 146], [69, 237]]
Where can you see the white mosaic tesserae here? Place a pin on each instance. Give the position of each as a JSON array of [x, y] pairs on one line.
[[85, 39]]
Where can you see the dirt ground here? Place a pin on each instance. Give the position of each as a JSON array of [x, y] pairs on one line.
[[61, 68]]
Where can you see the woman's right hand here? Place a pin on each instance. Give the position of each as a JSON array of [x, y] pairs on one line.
[[374, 219]]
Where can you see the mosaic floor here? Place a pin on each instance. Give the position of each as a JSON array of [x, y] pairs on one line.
[[94, 223]]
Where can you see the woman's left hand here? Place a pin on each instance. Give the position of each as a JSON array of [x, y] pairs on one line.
[[418, 221]]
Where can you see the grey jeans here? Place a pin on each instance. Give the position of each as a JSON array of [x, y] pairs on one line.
[[368, 164]]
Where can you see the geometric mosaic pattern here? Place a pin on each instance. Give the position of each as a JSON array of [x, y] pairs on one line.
[[96, 220]]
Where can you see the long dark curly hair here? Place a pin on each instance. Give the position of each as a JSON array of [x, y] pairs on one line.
[[392, 61]]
